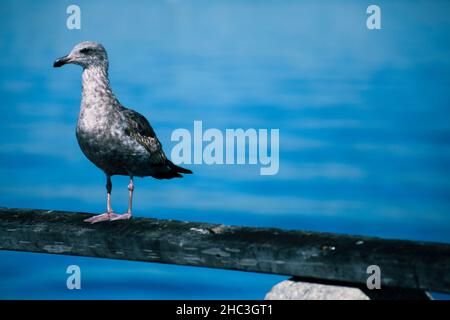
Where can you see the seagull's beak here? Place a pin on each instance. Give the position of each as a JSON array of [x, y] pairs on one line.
[[61, 61]]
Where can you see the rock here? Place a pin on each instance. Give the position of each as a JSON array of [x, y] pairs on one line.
[[297, 290]]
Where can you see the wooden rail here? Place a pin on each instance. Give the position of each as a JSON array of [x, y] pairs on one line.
[[311, 255]]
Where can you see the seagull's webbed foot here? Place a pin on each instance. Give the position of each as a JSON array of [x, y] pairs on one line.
[[101, 217], [124, 216]]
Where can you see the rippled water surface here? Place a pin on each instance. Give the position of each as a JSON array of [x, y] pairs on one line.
[[363, 119]]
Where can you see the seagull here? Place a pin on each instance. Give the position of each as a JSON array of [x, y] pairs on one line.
[[118, 140]]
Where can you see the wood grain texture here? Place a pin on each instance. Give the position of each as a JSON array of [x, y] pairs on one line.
[[308, 255]]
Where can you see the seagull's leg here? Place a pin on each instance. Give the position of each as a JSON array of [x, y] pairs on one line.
[[126, 215], [109, 212], [130, 199]]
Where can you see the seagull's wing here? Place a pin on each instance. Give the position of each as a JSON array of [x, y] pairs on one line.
[[140, 130]]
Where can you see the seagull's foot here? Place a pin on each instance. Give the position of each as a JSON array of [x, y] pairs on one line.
[[101, 217], [124, 216]]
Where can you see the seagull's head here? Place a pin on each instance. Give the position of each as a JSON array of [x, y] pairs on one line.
[[86, 54]]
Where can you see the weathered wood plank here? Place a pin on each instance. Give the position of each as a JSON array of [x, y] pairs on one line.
[[322, 256]]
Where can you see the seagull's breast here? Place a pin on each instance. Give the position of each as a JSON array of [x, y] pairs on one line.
[[102, 138], [102, 131]]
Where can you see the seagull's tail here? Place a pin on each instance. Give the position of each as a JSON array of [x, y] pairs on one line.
[[171, 171], [179, 169]]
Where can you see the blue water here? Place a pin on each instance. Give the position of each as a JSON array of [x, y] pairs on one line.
[[363, 118]]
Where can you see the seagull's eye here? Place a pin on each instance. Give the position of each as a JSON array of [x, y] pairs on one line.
[[86, 50]]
